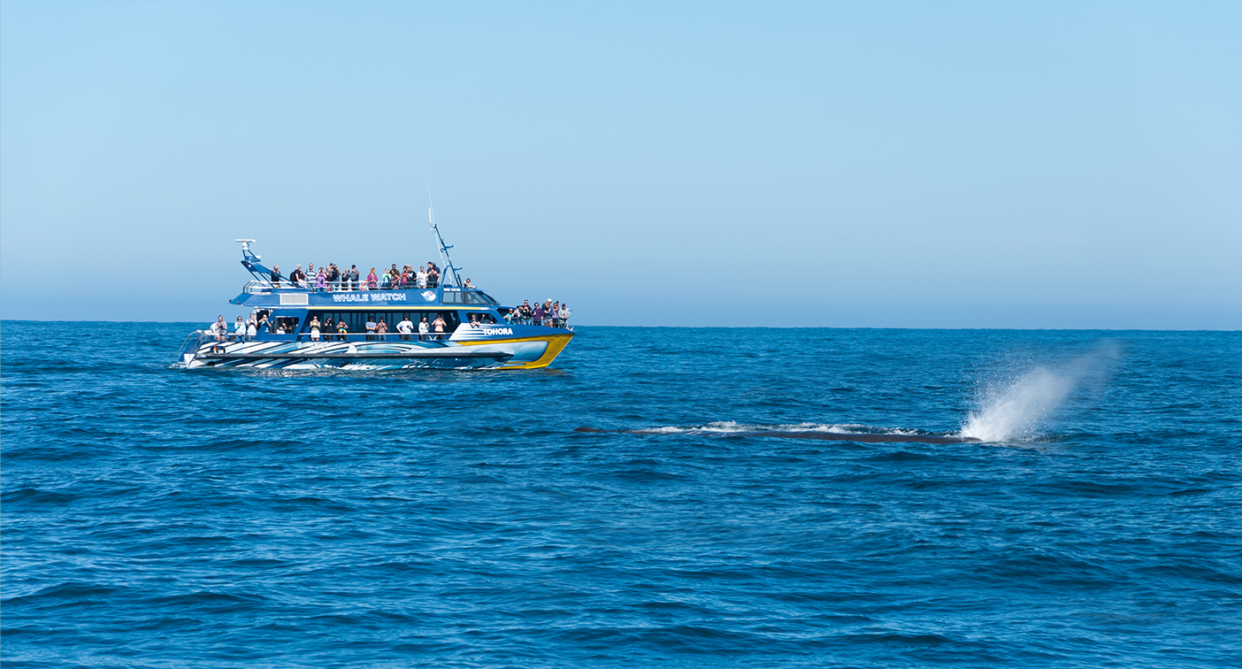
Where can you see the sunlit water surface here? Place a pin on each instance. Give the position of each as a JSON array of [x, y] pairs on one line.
[[154, 516]]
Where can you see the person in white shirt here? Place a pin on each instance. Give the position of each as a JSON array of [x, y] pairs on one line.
[[239, 330], [252, 329], [564, 314], [423, 328], [421, 277], [405, 327]]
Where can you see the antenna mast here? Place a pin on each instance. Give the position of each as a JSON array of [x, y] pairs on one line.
[[448, 273]]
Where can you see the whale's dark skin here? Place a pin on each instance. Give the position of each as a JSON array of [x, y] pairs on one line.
[[827, 436]]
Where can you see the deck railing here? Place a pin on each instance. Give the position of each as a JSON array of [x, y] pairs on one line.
[[260, 287]]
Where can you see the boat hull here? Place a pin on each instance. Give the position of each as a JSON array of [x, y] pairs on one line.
[[530, 352]]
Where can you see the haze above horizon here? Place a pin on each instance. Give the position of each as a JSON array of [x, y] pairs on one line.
[[849, 164]]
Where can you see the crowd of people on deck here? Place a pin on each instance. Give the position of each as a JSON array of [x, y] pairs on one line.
[[549, 314], [332, 278]]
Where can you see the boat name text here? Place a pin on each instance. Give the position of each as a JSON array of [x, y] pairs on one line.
[[369, 297]]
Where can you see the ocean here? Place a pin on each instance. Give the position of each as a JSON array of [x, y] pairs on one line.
[[160, 517]]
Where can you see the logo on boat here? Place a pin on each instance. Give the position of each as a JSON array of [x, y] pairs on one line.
[[429, 295], [368, 297], [497, 331]]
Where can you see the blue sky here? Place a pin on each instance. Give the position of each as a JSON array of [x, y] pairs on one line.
[[872, 164]]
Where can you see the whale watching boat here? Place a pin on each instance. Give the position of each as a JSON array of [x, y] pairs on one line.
[[473, 332]]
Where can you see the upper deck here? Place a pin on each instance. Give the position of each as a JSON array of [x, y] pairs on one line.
[[274, 296]]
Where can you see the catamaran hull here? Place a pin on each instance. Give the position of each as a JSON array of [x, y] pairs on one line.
[[515, 353]]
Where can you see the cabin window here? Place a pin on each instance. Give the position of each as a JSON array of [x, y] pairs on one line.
[[356, 321], [484, 317], [451, 297]]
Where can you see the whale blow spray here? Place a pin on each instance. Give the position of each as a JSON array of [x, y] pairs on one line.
[[1019, 409]]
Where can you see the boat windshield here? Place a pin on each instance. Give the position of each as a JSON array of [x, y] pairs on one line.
[[468, 297]]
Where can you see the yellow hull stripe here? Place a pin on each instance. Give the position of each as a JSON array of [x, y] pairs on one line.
[[556, 344]]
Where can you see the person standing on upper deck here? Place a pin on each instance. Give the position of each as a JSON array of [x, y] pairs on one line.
[[372, 280], [321, 281], [353, 277], [421, 277], [275, 278]]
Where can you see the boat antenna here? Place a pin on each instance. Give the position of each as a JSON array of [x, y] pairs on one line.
[[448, 277]]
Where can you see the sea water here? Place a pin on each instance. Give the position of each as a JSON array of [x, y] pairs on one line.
[[155, 516]]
